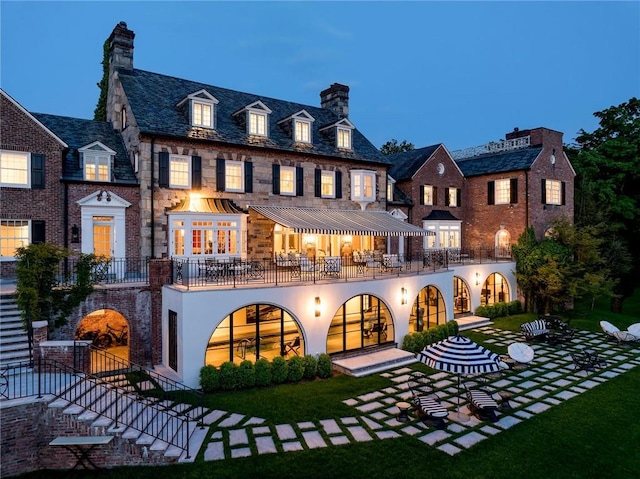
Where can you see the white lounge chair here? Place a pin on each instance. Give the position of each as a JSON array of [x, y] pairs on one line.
[[634, 329], [521, 353], [609, 329]]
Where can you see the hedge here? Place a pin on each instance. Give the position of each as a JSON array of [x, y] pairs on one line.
[[418, 340], [262, 373]]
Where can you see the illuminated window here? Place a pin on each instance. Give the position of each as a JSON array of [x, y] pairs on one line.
[[303, 131], [257, 123], [503, 191], [14, 169], [553, 189], [233, 173], [202, 114], [363, 185], [327, 179], [13, 234], [97, 160], [205, 236], [427, 195], [344, 138], [287, 180], [180, 171], [452, 197]]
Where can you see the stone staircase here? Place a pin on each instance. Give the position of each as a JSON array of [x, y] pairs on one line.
[[160, 427], [14, 343]]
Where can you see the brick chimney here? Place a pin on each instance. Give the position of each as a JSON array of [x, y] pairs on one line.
[[121, 47], [336, 99], [539, 136]]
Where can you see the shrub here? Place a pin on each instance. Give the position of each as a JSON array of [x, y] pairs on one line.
[[279, 370], [209, 378], [409, 343], [310, 367], [228, 376], [515, 307], [263, 372], [325, 369], [484, 311], [296, 369], [455, 327], [246, 374], [451, 328], [426, 338]]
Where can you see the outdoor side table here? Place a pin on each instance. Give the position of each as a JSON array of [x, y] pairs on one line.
[[81, 446], [505, 396], [404, 409]]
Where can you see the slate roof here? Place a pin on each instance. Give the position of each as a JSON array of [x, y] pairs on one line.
[[153, 98], [440, 215], [400, 198], [513, 160], [404, 165], [77, 133]]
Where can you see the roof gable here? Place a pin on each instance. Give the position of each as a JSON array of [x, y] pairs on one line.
[[202, 95], [404, 165]]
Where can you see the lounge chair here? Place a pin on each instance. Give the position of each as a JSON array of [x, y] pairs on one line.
[[609, 329], [426, 401], [521, 353], [634, 329], [292, 346], [533, 330], [481, 403]]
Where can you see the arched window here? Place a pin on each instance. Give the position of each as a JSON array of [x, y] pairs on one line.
[[255, 331], [428, 310], [362, 321], [461, 303], [495, 290], [503, 244]]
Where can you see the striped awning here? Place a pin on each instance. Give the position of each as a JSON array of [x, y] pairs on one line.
[[339, 222]]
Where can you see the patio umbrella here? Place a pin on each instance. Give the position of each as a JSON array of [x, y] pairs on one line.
[[459, 355]]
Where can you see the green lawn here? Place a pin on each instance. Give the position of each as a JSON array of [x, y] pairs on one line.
[[594, 435]]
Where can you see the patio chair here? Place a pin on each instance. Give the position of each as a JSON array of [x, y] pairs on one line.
[[609, 329], [292, 346], [426, 402], [535, 330], [634, 329], [481, 403]]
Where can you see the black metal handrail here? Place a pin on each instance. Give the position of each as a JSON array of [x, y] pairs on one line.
[[293, 268], [91, 392], [107, 271]]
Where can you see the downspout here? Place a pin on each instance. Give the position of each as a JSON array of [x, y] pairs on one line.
[[153, 213], [65, 215], [526, 196]]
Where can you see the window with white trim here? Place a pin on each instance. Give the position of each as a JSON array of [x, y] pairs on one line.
[[343, 138], [288, 180], [363, 185], [427, 195], [447, 234], [302, 131], [503, 191], [257, 123], [97, 166], [328, 184], [180, 171], [13, 234], [205, 235], [234, 176], [553, 190], [202, 114], [15, 167]]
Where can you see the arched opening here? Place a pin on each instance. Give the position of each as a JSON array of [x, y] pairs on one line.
[[252, 332], [503, 243], [461, 303], [428, 310], [108, 330], [494, 290], [362, 321]]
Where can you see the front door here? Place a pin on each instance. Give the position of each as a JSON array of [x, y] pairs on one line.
[[103, 236]]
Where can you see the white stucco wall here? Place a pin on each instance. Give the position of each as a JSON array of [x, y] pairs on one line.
[[201, 310]]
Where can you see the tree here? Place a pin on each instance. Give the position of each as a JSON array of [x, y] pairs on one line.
[[38, 291], [607, 197], [100, 113], [392, 147]]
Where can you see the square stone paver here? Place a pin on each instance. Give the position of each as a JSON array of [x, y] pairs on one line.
[[237, 437], [292, 446], [242, 452], [359, 433], [214, 451], [387, 434], [265, 445], [434, 437], [285, 432], [470, 439], [339, 440], [450, 449], [313, 439], [330, 426]]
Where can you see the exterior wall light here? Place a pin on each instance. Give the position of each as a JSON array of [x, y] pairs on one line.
[[317, 308], [75, 234], [477, 279], [403, 296]]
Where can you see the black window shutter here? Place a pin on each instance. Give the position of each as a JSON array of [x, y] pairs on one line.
[[563, 185], [544, 191], [513, 191], [446, 196], [434, 200], [37, 231], [491, 193], [163, 169], [338, 184], [37, 172], [220, 174], [275, 179], [196, 172], [299, 181], [458, 197], [248, 177], [317, 186], [422, 194]]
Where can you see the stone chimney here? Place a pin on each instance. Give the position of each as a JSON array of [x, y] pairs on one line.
[[121, 47], [336, 99]]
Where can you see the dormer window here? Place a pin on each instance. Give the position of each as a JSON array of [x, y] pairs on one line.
[[302, 131], [257, 118], [343, 131], [97, 160], [299, 126], [202, 109]]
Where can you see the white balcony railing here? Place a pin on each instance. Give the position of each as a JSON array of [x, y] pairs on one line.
[[492, 147]]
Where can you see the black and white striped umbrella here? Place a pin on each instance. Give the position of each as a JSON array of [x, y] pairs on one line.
[[459, 355]]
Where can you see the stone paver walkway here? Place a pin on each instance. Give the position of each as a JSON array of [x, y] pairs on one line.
[[549, 380]]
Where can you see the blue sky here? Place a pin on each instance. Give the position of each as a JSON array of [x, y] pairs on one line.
[[460, 73]]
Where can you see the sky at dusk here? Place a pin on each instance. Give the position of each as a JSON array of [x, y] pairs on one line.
[[458, 73]]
